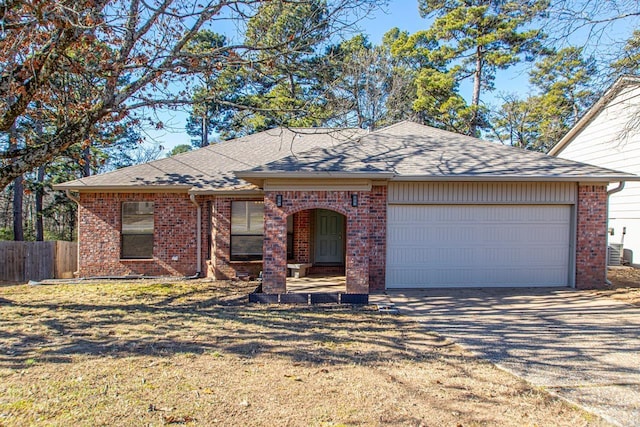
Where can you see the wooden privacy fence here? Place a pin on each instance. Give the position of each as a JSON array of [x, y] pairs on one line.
[[24, 261]]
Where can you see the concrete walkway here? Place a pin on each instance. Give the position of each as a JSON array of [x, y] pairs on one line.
[[582, 348]]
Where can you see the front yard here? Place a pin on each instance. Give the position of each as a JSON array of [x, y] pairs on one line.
[[153, 353]]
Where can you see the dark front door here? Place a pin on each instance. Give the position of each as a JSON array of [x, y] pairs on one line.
[[329, 234]]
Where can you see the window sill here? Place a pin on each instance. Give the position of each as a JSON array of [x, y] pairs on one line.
[[246, 262], [136, 259]]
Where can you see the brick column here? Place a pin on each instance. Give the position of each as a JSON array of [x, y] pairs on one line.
[[221, 229], [357, 256], [378, 239], [591, 240], [302, 236], [274, 273]]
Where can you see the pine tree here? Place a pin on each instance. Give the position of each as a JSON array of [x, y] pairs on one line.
[[479, 37]]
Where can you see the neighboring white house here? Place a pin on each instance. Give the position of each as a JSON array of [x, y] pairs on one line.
[[608, 135]]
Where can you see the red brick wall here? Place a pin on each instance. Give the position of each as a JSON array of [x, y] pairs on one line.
[[371, 210], [174, 235], [302, 236], [591, 228], [221, 235], [378, 238]]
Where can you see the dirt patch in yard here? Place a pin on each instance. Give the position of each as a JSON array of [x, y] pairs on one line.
[[625, 284], [152, 353]]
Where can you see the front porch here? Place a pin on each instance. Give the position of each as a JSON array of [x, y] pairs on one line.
[[321, 247]]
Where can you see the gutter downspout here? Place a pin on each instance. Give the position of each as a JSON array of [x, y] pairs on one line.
[[77, 200], [192, 197], [618, 189]]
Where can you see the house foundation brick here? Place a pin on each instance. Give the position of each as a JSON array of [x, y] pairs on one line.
[[591, 229], [174, 252]]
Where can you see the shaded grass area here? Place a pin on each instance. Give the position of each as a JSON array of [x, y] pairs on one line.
[[154, 353]]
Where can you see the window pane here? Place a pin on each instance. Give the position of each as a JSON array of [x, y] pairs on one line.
[[256, 217], [137, 246], [247, 230], [137, 208], [137, 230], [247, 217], [238, 217], [137, 217], [246, 247], [289, 245]]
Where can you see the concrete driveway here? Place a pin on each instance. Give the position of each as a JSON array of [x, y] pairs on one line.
[[582, 348]]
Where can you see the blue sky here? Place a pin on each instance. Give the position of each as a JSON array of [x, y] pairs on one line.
[[404, 15]]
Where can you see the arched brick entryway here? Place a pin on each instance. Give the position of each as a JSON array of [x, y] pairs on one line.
[[313, 230], [357, 234]]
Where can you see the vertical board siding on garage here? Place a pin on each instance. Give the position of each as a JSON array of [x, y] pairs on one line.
[[482, 192], [479, 234]]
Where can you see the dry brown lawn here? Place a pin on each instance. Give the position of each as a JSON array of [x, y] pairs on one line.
[[153, 353], [626, 284]]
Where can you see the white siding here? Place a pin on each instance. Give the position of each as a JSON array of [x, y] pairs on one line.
[[610, 141], [482, 193], [467, 245]]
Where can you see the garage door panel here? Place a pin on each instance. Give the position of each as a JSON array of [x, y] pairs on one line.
[[431, 246], [477, 277], [454, 234], [478, 257]]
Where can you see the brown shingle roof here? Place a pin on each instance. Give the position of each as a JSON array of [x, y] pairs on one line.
[[404, 151], [211, 167], [409, 150]]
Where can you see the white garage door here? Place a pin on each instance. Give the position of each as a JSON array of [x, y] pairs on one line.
[[471, 246]]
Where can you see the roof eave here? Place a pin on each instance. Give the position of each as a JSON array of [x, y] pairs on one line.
[[225, 192], [124, 188], [314, 174], [258, 177], [516, 178]]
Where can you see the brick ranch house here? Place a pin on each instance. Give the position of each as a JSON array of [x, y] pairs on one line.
[[407, 206]]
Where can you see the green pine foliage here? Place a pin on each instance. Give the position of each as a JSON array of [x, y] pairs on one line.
[[475, 39]]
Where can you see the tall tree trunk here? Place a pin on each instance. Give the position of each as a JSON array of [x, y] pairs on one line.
[[39, 196], [205, 128], [86, 161], [475, 99], [18, 196], [18, 193], [576, 111], [39, 205]]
